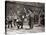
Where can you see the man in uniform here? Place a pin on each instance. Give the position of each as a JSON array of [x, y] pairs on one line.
[[20, 22]]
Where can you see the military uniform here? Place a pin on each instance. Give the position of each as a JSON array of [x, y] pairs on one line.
[[30, 22], [19, 23]]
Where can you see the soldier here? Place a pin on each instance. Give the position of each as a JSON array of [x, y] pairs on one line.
[[10, 23], [18, 23], [42, 20], [22, 19], [14, 21], [30, 22]]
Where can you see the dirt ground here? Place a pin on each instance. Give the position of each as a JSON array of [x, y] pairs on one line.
[[14, 30]]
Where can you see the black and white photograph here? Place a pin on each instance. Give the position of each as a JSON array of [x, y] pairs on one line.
[[24, 17]]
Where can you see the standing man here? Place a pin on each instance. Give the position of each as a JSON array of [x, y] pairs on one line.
[[31, 19], [30, 22]]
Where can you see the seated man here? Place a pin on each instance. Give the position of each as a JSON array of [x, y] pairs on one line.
[[14, 21], [19, 23]]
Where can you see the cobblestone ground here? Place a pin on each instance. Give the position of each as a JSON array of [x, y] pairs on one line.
[[36, 29]]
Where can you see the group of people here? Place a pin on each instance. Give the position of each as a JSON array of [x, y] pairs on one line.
[[18, 22]]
